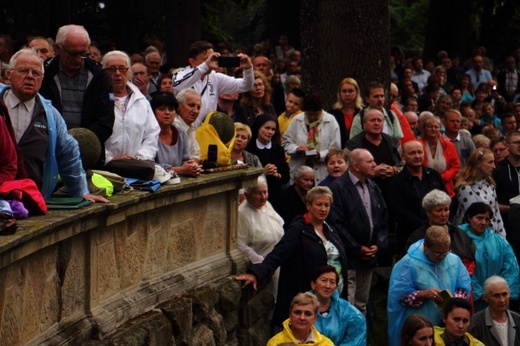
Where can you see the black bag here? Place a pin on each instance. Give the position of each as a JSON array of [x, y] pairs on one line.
[[132, 168]]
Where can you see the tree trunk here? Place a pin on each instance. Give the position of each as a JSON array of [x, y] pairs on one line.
[[182, 27], [344, 39]]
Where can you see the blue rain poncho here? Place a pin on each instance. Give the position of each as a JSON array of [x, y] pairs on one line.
[[344, 325], [493, 256], [416, 272]]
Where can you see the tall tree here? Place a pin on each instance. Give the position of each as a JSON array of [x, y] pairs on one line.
[[344, 39]]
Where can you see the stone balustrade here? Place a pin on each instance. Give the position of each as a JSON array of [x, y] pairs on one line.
[[78, 275]]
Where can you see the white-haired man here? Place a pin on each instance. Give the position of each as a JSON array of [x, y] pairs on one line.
[[77, 85], [41, 133]]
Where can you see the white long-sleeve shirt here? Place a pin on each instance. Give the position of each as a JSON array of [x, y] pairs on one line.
[[210, 85]]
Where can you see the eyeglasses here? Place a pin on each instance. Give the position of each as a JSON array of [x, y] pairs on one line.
[[25, 71], [113, 69], [439, 253], [82, 55]]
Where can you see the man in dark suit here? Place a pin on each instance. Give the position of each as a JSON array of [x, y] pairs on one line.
[[360, 216]]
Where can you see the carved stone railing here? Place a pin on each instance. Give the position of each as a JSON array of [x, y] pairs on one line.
[[71, 276]]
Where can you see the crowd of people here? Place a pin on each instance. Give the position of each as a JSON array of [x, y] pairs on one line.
[[421, 177]]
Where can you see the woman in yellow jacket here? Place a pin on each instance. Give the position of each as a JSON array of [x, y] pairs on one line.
[[456, 316], [299, 328]]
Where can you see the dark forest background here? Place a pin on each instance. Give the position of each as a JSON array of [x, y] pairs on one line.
[[354, 36]]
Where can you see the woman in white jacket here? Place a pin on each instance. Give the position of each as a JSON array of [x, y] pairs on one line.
[[136, 130], [309, 137]]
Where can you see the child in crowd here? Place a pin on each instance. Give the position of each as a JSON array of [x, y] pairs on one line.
[[293, 105]]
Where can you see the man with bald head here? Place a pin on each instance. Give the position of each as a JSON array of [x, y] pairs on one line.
[[78, 86], [407, 190], [413, 121], [360, 216], [262, 64]]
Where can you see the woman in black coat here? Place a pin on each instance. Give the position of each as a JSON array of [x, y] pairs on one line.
[[271, 155], [307, 244]]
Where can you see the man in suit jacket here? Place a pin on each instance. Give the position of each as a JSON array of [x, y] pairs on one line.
[[360, 216]]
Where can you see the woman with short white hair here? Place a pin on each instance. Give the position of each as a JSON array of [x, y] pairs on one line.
[[135, 130]]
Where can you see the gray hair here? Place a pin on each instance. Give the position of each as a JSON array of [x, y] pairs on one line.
[[301, 170], [372, 110], [424, 115], [490, 281], [318, 191], [153, 52], [115, 53], [292, 79], [181, 96], [24, 51], [435, 198], [65, 30], [259, 182]]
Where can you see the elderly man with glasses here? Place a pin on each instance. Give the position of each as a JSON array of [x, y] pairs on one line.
[[40, 132], [77, 85]]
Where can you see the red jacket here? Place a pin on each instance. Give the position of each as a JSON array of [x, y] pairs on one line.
[[405, 126], [452, 164]]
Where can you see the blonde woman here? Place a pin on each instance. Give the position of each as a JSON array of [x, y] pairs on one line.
[[475, 184], [348, 104]]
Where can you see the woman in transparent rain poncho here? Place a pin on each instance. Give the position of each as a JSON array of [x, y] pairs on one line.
[[259, 226]]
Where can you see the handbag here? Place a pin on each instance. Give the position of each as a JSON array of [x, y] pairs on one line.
[[132, 168], [118, 182], [206, 136]]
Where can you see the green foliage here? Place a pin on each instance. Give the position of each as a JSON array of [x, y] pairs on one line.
[[408, 19], [235, 22]]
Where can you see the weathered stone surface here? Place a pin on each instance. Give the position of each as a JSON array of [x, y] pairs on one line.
[[203, 336], [72, 271], [230, 320], [149, 329], [257, 307], [158, 328], [180, 315], [232, 340], [70, 274], [97, 343], [229, 294], [204, 300], [132, 337], [215, 322]]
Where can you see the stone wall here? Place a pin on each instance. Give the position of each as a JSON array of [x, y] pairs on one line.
[[215, 314], [72, 276]]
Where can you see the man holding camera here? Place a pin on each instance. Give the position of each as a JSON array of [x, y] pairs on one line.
[[201, 75]]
